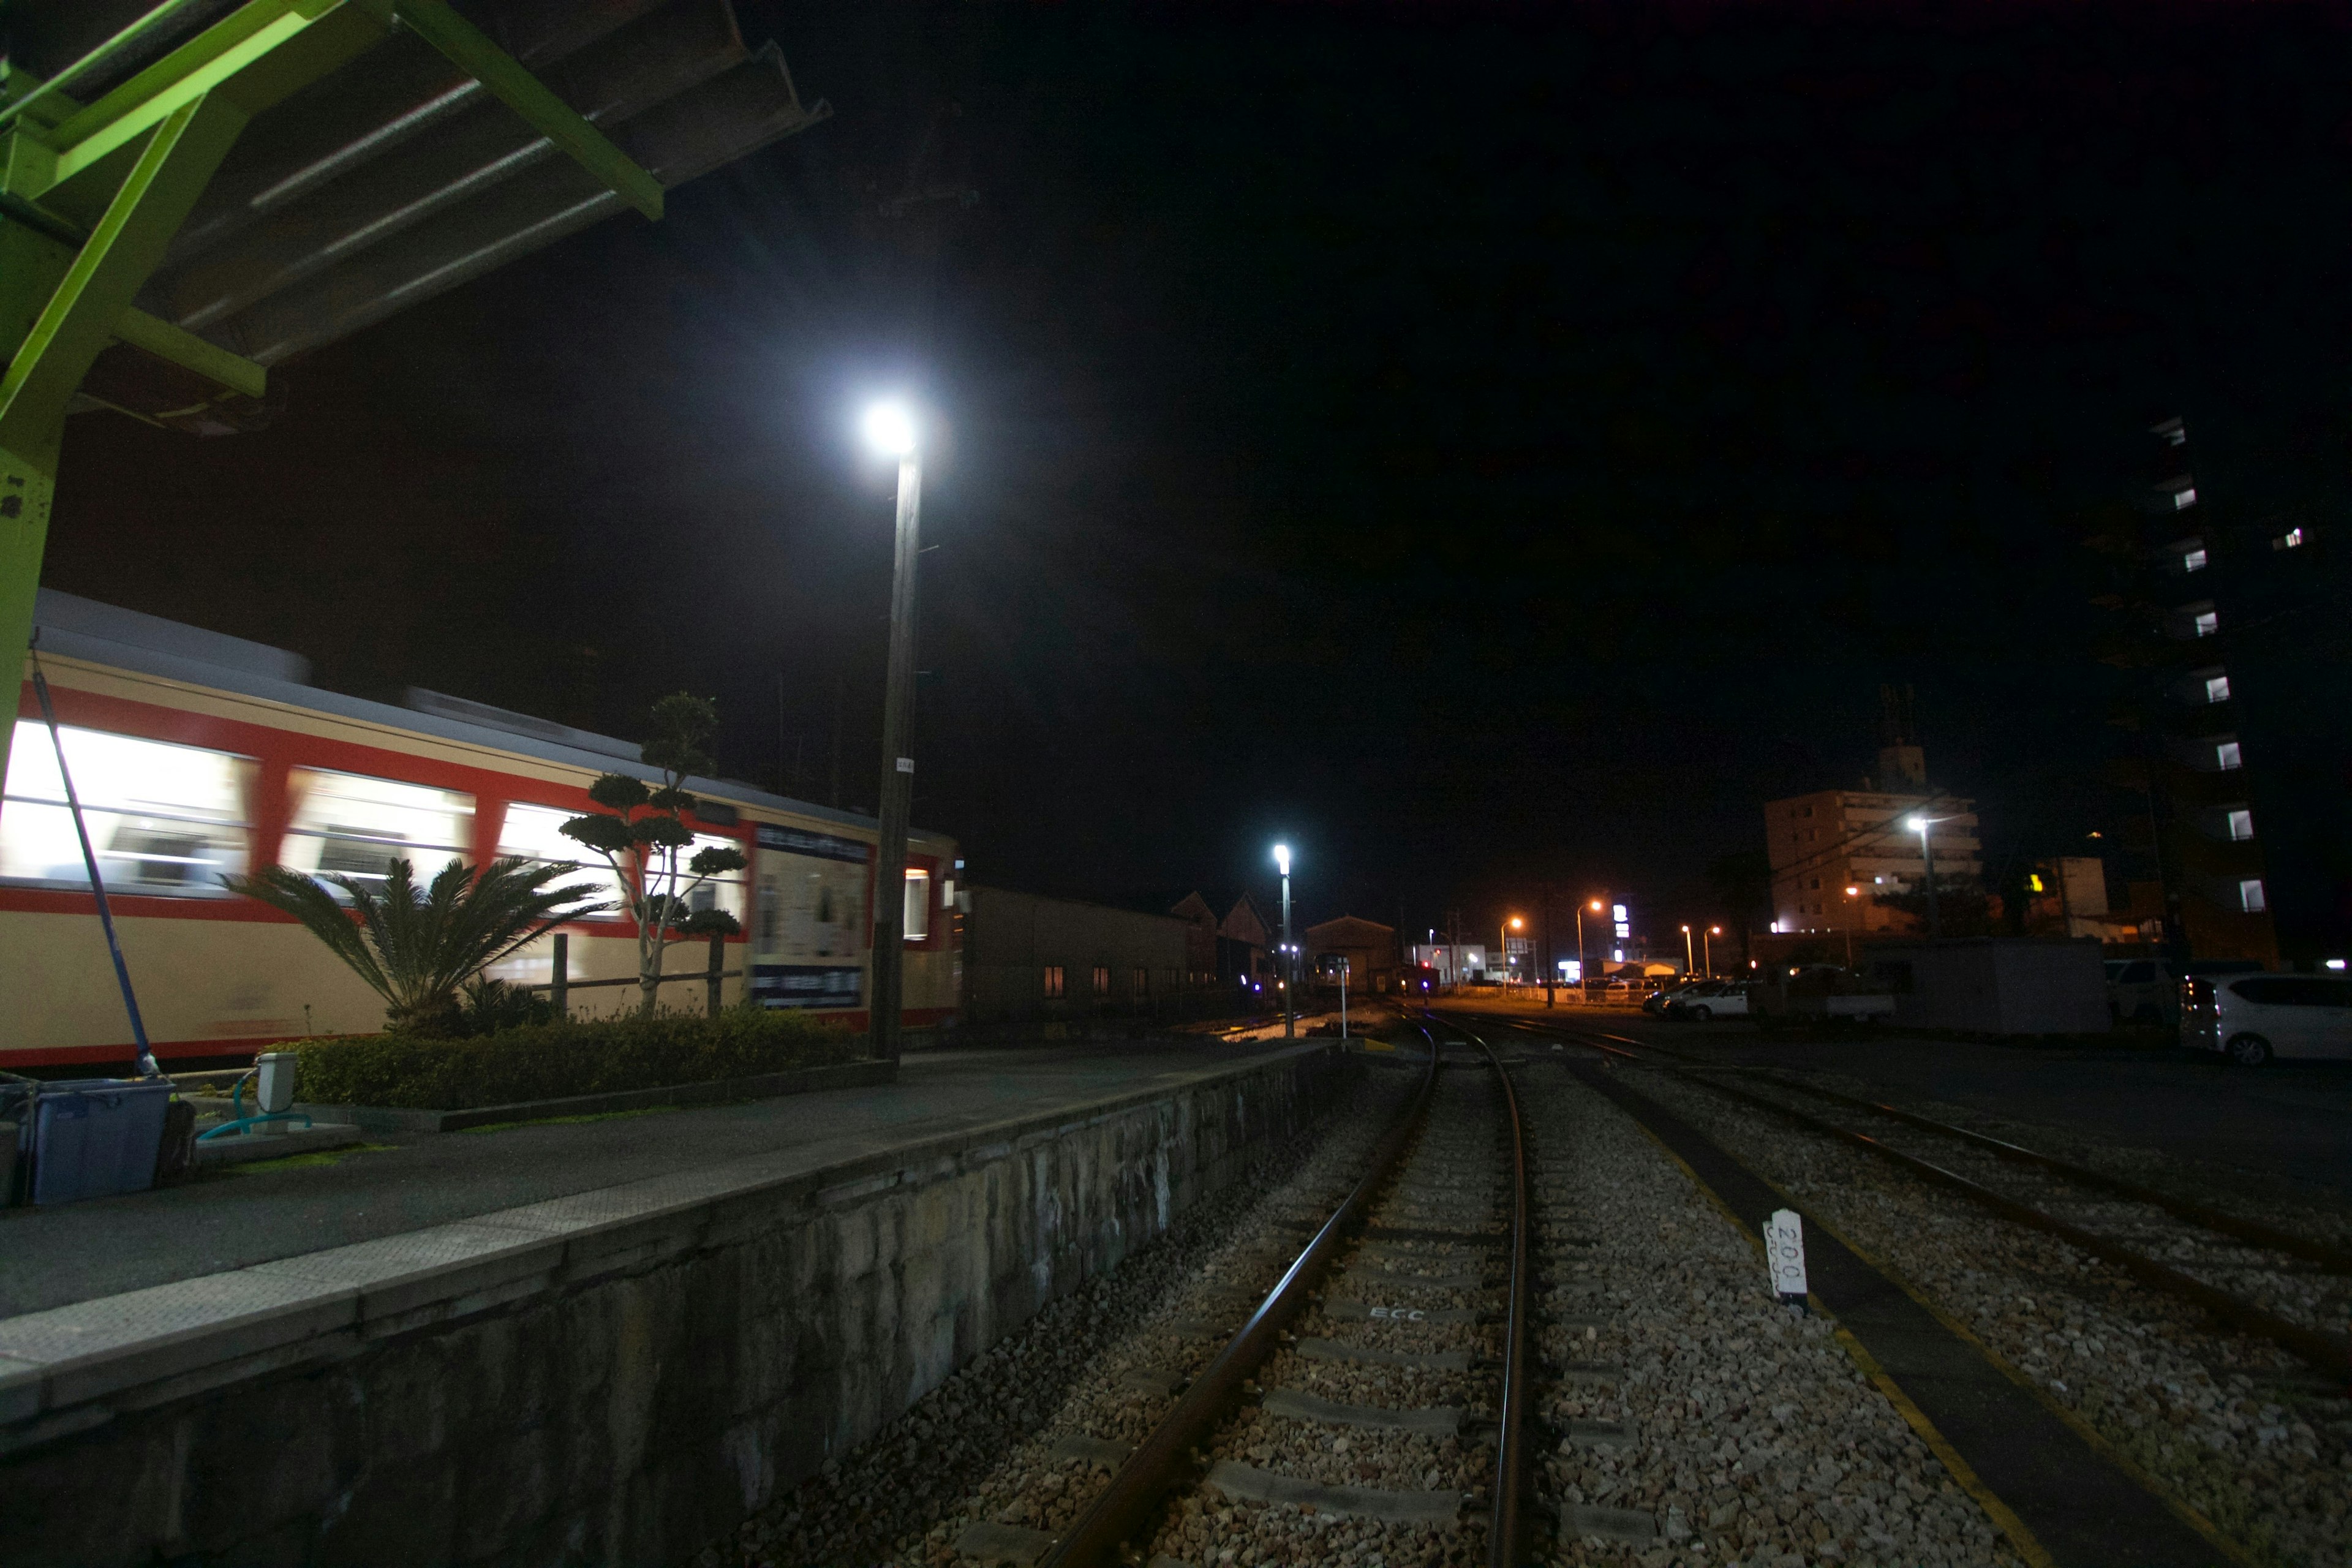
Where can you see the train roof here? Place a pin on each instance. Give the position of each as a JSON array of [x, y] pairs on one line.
[[76, 628]]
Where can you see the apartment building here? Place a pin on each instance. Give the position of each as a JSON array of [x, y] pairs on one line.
[[1835, 852]]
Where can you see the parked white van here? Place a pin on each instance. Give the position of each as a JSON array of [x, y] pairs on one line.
[[2255, 1017]]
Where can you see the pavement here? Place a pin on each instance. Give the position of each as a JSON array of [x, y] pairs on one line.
[[394, 1184], [2289, 1120]]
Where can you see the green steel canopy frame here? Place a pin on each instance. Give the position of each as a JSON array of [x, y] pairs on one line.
[[92, 195]]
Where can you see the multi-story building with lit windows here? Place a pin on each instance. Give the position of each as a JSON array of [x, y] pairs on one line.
[[1837, 853]]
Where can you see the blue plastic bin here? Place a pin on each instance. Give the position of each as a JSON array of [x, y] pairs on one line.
[[96, 1136]]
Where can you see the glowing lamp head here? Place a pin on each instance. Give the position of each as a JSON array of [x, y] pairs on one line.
[[1917, 825], [1282, 858], [890, 429], [1596, 906], [1517, 922]]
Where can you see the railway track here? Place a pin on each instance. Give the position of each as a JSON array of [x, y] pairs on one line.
[[1411, 1302], [2293, 1290]]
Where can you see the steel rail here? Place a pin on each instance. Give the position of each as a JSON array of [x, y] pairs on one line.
[[1506, 1543], [2329, 1352], [1124, 1506]]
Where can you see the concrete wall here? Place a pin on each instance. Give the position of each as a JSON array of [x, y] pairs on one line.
[[617, 1377]]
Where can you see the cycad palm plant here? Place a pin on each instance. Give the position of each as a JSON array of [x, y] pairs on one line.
[[417, 946]]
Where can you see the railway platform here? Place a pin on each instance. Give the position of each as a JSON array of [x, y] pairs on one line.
[[395, 1183]]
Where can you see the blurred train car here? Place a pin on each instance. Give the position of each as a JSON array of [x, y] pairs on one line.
[[195, 755]]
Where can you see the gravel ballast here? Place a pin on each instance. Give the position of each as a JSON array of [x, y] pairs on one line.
[[2234, 1426]]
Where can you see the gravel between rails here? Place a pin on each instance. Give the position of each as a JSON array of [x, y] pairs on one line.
[[2238, 1428], [2260, 1196], [978, 1447], [1751, 1438]]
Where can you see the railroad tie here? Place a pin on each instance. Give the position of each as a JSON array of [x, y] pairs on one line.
[[1367, 1311], [1251, 1484], [1582, 1522], [992, 1543], [1440, 1420], [1431, 1361]]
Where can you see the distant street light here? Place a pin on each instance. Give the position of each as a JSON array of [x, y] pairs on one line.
[[1690, 959], [889, 428], [1514, 923], [1290, 954], [1706, 945], [1921, 825]]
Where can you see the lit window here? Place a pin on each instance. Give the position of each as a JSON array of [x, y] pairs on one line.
[[1053, 981], [2250, 896], [2291, 540], [2241, 824], [162, 818], [2227, 755], [1617, 912], [2196, 560], [1102, 980], [356, 827], [2217, 689], [1617, 955], [2207, 622], [918, 908], [535, 834], [2184, 498]]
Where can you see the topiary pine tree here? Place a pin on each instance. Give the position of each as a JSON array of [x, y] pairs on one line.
[[642, 829]]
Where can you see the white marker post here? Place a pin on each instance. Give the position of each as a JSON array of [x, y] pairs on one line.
[[1784, 1255]]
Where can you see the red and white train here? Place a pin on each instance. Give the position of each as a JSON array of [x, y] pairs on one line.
[[196, 755]]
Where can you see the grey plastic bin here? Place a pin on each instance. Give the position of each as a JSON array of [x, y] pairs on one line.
[[95, 1137]]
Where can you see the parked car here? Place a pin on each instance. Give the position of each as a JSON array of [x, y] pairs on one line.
[[2147, 991], [2256, 1018], [1659, 1001], [1711, 999]]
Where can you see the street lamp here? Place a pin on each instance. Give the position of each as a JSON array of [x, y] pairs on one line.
[[1514, 923], [1920, 825], [1689, 959], [1290, 954], [889, 428], [1595, 907], [1706, 945]]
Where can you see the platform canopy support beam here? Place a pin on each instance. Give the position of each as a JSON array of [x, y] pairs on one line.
[[91, 194]]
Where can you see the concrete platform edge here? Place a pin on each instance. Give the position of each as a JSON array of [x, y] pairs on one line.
[[69, 1369]]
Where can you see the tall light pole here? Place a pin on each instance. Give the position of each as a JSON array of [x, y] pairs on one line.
[[1707, 946], [1582, 975], [1922, 827], [1514, 923], [1690, 960], [890, 429], [1289, 953]]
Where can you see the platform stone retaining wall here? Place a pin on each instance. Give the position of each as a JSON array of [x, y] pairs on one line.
[[616, 1377]]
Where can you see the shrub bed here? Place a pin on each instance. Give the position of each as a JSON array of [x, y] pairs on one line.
[[551, 1061]]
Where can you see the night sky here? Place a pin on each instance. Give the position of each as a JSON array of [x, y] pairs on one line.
[[1474, 447]]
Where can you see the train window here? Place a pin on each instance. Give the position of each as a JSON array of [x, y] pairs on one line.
[[1052, 981], [356, 827], [1102, 980], [535, 833], [162, 819], [918, 905]]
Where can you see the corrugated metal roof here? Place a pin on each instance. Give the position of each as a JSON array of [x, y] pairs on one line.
[[396, 176]]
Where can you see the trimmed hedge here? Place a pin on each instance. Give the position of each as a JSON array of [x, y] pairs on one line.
[[551, 1061]]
